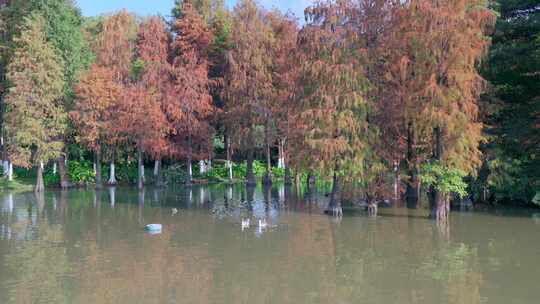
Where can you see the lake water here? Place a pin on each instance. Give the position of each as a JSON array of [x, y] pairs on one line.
[[90, 247]]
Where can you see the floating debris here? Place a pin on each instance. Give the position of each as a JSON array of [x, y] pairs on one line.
[[153, 228]]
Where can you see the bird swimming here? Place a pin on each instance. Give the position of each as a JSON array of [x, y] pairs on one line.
[[245, 224], [263, 224]]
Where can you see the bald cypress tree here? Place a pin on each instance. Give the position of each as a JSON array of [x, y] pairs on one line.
[[62, 28], [35, 117], [190, 104], [248, 80], [153, 51], [334, 108], [100, 89], [207, 9], [433, 53]]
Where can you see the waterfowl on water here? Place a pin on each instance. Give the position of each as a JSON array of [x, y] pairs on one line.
[[263, 223], [246, 223]]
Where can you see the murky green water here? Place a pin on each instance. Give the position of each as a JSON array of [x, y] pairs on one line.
[[88, 247]]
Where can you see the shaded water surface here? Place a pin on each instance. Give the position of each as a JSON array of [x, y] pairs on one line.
[[90, 247]]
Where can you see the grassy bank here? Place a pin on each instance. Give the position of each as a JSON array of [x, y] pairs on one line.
[[15, 186]]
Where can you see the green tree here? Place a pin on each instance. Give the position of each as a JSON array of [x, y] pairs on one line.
[[35, 117], [513, 105], [63, 29], [207, 9]]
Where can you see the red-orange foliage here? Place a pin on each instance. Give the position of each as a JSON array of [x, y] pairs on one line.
[[116, 43], [248, 79], [100, 90], [432, 54], [153, 52], [333, 89], [94, 114], [285, 78], [141, 119], [189, 103]]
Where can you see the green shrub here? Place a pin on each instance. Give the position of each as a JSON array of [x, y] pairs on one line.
[[24, 173], [174, 174], [444, 179], [81, 172], [50, 179], [220, 172]]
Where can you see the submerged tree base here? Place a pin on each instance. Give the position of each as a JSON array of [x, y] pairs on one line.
[[335, 210], [440, 210], [372, 209], [267, 180]]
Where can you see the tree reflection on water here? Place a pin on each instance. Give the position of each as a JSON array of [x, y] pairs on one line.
[[80, 247]]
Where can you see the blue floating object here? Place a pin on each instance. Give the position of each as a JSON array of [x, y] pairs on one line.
[[153, 228]]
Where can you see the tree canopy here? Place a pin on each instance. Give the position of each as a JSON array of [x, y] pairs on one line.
[[425, 94]]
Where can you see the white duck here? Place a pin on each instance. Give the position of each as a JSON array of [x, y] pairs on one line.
[[174, 211], [263, 224], [245, 224]]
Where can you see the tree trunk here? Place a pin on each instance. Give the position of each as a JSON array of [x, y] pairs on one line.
[[143, 173], [268, 177], [156, 168], [298, 181], [229, 159], [5, 158], [285, 163], [397, 181], [334, 206], [5, 164], [202, 167], [10, 172], [189, 180], [62, 171], [112, 174], [439, 202], [412, 191], [311, 180], [230, 171], [40, 186], [372, 207], [140, 166], [158, 173], [288, 176], [281, 154], [97, 163], [440, 206], [250, 178]]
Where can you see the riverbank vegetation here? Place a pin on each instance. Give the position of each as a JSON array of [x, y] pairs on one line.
[[400, 98]]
